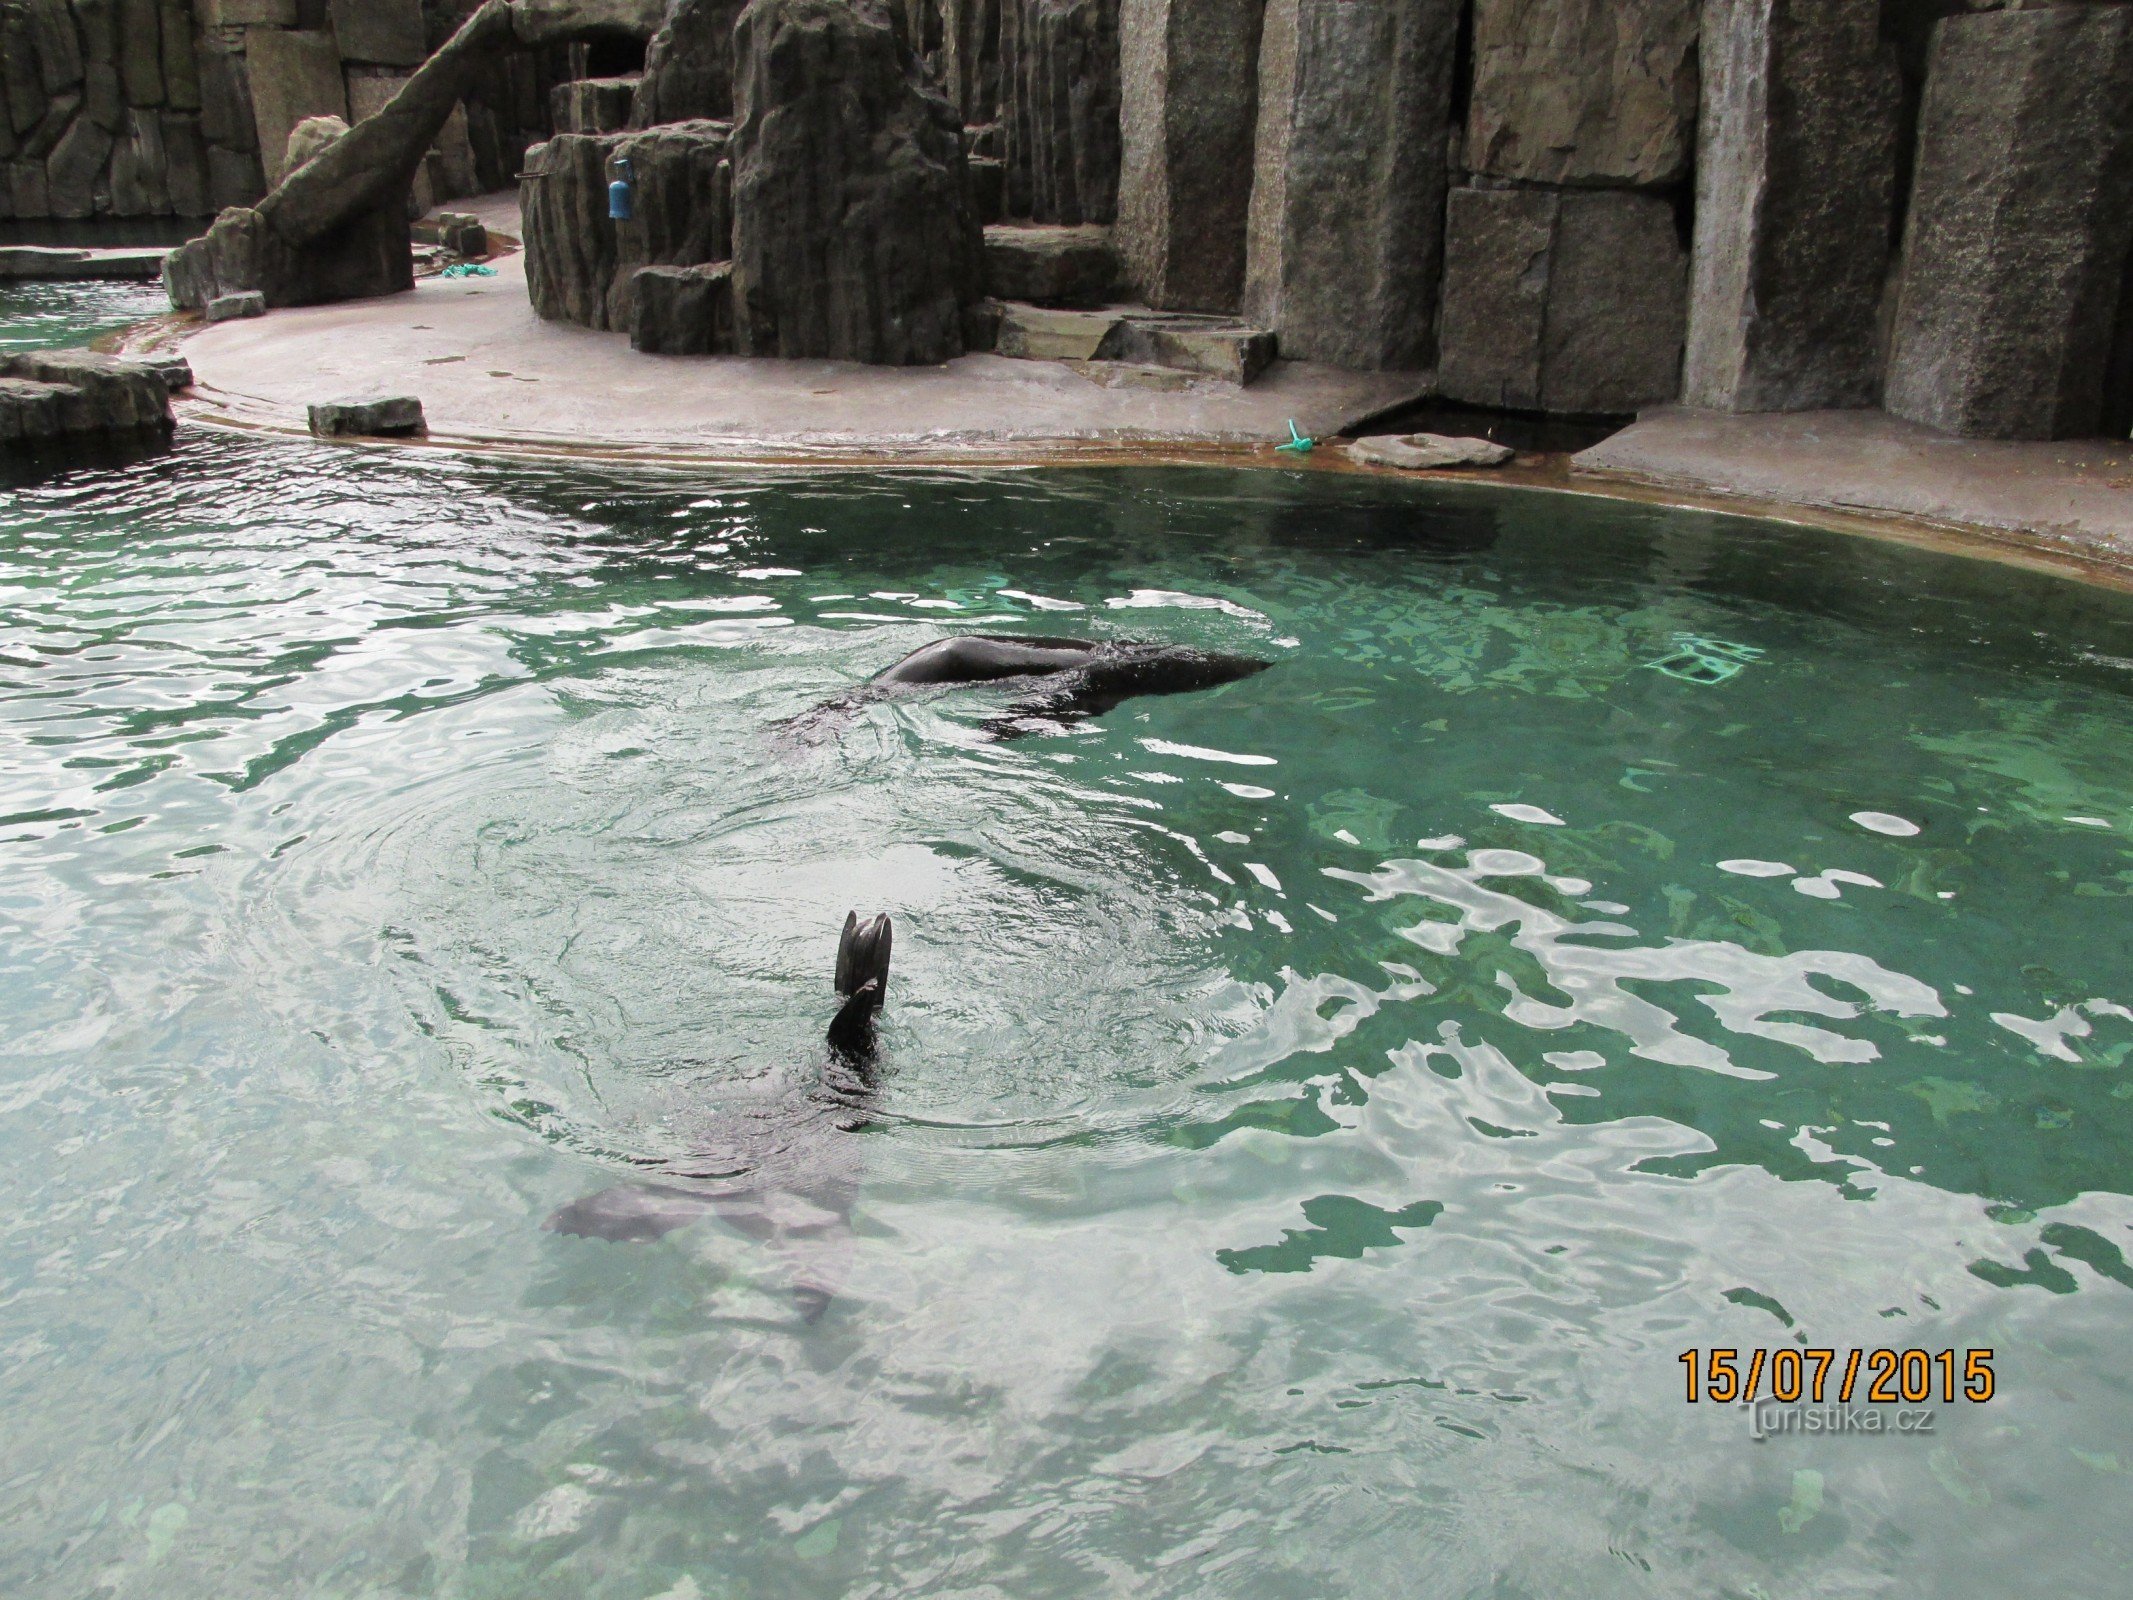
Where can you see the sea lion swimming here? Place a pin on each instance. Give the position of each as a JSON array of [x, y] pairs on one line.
[[1069, 680], [784, 1170]]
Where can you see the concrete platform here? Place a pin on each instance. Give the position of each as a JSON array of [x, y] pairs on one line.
[[2074, 497], [55, 261], [489, 372]]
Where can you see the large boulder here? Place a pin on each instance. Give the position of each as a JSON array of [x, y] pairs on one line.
[[1795, 188], [1598, 92], [580, 264], [1570, 301], [855, 236], [1347, 209], [1188, 106], [2021, 218], [688, 67], [1059, 107], [55, 394]]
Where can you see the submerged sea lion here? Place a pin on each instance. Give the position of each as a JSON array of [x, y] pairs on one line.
[[786, 1169], [1069, 680]]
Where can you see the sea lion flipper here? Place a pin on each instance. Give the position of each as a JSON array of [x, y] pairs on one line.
[[630, 1213], [863, 955]]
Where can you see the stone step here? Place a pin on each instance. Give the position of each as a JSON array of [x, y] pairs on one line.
[[1211, 347], [49, 395], [1049, 265], [48, 261], [593, 105]]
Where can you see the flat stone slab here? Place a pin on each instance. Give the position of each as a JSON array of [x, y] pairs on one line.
[[392, 417], [77, 394], [1213, 347], [230, 307], [491, 373], [2069, 495], [51, 261], [1418, 452]]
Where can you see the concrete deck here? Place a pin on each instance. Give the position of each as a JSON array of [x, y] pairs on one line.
[[489, 372], [2074, 497]]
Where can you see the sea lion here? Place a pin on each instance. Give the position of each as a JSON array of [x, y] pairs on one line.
[[1069, 680], [784, 1170]]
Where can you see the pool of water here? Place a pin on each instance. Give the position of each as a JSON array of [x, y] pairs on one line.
[[39, 316], [1314, 1115]]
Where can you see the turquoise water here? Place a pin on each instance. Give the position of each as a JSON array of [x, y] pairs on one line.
[[40, 316], [1314, 1114]]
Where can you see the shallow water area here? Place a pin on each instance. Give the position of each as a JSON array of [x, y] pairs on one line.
[[1314, 1116]]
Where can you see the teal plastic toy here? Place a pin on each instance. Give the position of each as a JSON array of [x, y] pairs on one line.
[[1297, 441]]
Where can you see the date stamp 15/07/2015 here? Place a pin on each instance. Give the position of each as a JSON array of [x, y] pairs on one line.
[[1792, 1374]]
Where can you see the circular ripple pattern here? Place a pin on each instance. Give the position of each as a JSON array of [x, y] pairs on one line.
[[1314, 1114]]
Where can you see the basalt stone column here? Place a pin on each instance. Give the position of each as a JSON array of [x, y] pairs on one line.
[[855, 237], [1059, 78], [1570, 301], [2021, 217], [294, 75], [1188, 109], [688, 67], [1347, 211], [1598, 92], [1795, 183], [970, 56]]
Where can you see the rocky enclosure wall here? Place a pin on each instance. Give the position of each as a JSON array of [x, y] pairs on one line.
[[1562, 206], [180, 108]]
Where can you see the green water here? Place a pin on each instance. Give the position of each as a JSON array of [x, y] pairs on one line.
[[1314, 1117], [40, 316]]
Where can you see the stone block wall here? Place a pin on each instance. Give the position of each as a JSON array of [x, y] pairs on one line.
[[180, 108]]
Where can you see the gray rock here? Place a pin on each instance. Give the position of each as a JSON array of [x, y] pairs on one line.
[[310, 139], [1347, 213], [140, 51], [683, 311], [854, 233], [2021, 218], [187, 156], [1570, 301], [225, 97], [1187, 113], [33, 413], [1416, 452], [1034, 333], [1583, 91], [1051, 266], [180, 63], [385, 33], [463, 235], [1059, 109], [592, 105], [229, 307], [75, 165], [1134, 375], [970, 57], [988, 188], [140, 168], [541, 22], [1209, 346], [1795, 185], [175, 371], [29, 195], [294, 75], [234, 178], [580, 266], [105, 265], [391, 417], [247, 13], [19, 71], [50, 29], [688, 67], [109, 395]]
